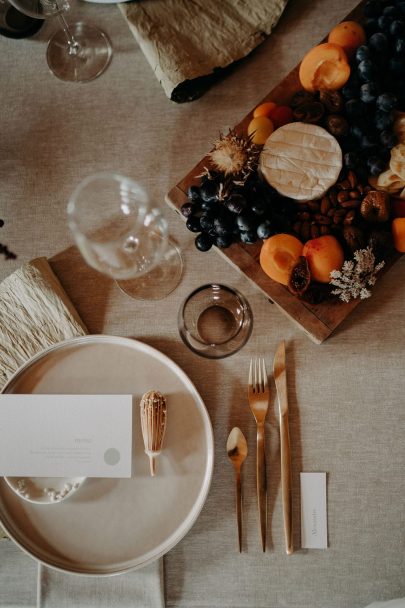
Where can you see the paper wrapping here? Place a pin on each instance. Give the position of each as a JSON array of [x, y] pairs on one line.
[[188, 43], [35, 312]]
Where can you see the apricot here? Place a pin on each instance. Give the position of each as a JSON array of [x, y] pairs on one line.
[[278, 256], [264, 109], [324, 67], [260, 128], [398, 232], [349, 35], [323, 254]]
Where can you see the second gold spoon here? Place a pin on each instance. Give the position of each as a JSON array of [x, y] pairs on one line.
[[237, 450]]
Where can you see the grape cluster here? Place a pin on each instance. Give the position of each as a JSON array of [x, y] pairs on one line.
[[248, 213], [376, 88]]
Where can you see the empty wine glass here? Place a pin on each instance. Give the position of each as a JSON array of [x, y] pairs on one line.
[[78, 52], [121, 233]]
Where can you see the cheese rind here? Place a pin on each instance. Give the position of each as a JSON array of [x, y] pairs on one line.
[[301, 161]]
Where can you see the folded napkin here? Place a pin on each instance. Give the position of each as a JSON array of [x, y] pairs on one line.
[[35, 312], [137, 589], [188, 44]]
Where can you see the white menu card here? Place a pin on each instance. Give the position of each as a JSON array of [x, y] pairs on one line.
[[66, 435], [314, 526]]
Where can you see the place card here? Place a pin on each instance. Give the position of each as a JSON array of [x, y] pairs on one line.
[[314, 532], [66, 435]]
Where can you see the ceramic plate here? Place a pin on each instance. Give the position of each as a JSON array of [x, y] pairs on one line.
[[115, 525]]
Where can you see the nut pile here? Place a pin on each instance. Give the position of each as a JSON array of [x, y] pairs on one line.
[[335, 212]]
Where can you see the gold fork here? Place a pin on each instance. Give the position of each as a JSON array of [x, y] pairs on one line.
[[258, 396]]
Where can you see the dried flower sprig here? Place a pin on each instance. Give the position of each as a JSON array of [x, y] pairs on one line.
[[356, 276]]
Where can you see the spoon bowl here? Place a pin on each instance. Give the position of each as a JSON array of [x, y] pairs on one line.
[[236, 447]]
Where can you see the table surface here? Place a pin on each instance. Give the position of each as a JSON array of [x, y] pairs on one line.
[[346, 395]]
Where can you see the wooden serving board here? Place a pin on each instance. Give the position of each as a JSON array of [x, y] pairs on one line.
[[317, 320]]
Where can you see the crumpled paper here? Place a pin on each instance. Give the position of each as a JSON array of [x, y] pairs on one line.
[[188, 43]]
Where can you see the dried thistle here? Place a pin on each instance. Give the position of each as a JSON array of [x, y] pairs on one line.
[[356, 276], [235, 155]]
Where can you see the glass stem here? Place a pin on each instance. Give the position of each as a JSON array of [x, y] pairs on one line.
[[74, 47]]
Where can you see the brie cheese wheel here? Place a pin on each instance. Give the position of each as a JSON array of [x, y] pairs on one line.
[[301, 161]]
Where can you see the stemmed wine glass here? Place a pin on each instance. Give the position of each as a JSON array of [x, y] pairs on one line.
[[78, 52], [122, 234]]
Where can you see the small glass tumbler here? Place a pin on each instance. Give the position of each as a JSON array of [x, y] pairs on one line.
[[215, 321]]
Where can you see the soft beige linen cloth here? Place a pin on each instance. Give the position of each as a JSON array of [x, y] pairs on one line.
[[188, 43], [35, 312]]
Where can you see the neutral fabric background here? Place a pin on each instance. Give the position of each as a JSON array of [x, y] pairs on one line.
[[346, 396]]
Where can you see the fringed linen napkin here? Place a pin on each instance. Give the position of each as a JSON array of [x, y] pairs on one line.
[[35, 313]]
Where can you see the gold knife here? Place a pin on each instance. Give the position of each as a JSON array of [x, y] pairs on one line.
[[280, 378]]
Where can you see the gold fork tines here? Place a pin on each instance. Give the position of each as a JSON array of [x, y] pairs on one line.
[[258, 396]]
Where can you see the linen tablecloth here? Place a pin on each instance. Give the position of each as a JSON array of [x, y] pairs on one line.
[[346, 395]]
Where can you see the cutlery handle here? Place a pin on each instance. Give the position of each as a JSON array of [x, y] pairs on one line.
[[286, 483], [261, 484], [239, 508]]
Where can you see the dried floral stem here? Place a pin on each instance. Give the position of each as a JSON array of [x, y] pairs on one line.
[[356, 276], [153, 423]]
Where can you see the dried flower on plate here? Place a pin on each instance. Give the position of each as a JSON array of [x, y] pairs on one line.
[[153, 422], [356, 276]]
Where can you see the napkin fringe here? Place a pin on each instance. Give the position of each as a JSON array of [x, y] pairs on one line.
[[35, 313]]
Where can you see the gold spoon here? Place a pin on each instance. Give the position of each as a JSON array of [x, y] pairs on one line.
[[236, 447]]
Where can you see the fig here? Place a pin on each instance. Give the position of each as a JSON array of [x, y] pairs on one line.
[[300, 277], [375, 206]]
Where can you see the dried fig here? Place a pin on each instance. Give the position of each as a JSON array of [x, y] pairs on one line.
[[310, 112], [375, 206], [354, 238], [300, 277], [301, 97], [337, 125], [381, 242], [332, 100]]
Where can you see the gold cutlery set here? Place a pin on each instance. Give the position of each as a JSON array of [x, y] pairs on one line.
[[258, 397]]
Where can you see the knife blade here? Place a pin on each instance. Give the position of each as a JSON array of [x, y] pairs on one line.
[[280, 378]]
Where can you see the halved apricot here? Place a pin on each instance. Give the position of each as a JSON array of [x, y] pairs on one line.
[[279, 255], [324, 67]]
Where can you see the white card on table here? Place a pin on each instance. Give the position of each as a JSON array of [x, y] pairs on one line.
[[66, 435], [314, 529]]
